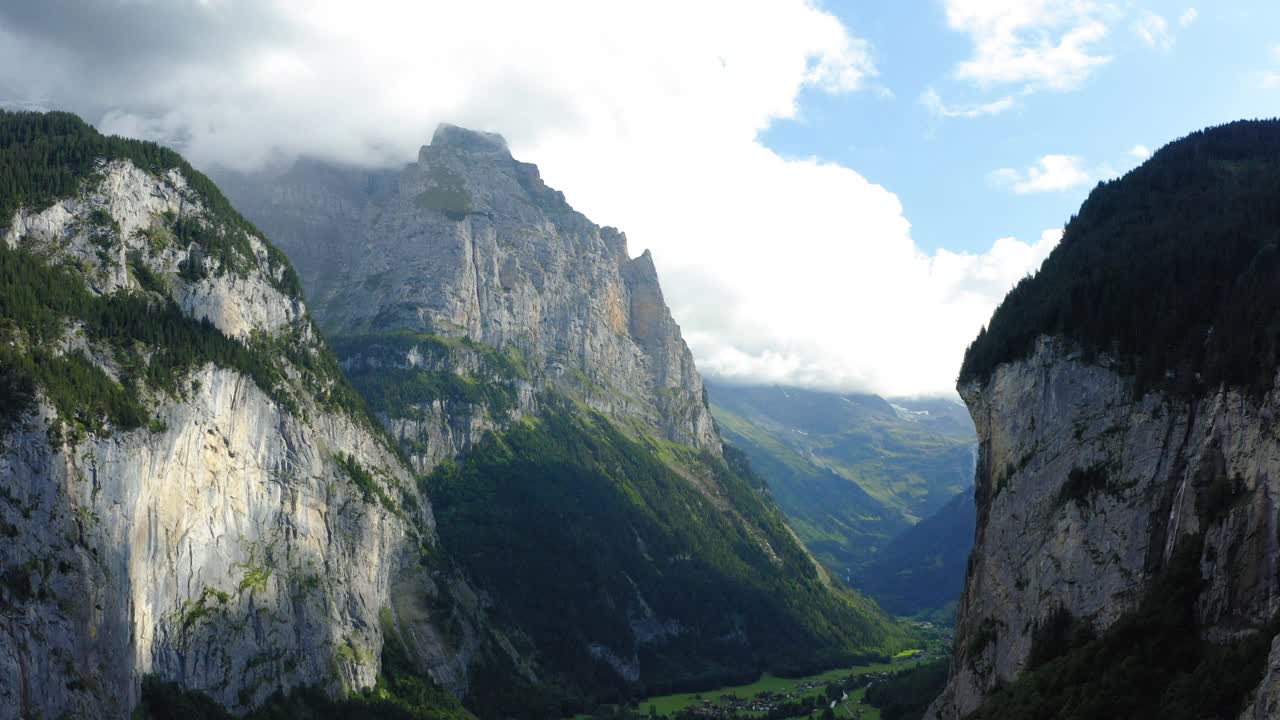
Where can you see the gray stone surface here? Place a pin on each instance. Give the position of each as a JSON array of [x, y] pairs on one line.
[[223, 549], [1041, 417], [468, 242]]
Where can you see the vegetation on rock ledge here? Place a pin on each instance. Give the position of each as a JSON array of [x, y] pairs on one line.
[[1169, 270]]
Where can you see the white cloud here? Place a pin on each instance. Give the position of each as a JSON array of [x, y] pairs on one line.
[[777, 269], [933, 102], [1051, 173], [1270, 79], [1141, 152], [1153, 31], [1030, 44], [1188, 17]]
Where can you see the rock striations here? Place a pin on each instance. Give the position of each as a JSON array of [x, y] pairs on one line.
[[219, 540], [1100, 458], [469, 243], [532, 373]]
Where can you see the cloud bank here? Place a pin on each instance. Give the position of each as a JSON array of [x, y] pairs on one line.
[[1051, 173], [646, 115]]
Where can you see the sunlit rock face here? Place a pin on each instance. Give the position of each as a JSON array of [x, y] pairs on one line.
[[1147, 469], [468, 242], [222, 546]]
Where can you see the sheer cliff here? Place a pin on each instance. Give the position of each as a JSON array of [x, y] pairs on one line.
[[469, 243], [1125, 399], [190, 490], [532, 372]]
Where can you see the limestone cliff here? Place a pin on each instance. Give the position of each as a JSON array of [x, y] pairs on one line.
[[469, 243], [1126, 404], [249, 534], [1046, 543]]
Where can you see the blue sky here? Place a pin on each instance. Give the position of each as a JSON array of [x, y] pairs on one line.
[[1212, 73], [837, 194]]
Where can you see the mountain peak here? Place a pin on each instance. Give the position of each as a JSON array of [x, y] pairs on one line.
[[466, 140]]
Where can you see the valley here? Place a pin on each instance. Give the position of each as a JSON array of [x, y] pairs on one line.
[[785, 698], [855, 474], [368, 419], [492, 479]]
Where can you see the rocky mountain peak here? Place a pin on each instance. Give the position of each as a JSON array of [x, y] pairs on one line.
[[466, 140], [472, 244]]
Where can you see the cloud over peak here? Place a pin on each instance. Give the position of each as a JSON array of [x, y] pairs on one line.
[[778, 269]]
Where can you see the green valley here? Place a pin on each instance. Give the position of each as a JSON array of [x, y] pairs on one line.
[[854, 472]]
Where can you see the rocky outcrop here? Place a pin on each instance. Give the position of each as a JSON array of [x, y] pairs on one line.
[[227, 552], [477, 391], [1266, 700], [226, 545], [1085, 487], [469, 243]]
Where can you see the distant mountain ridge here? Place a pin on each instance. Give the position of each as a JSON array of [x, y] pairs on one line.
[[922, 568], [854, 471]]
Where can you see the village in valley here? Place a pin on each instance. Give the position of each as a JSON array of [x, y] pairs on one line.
[[840, 693]]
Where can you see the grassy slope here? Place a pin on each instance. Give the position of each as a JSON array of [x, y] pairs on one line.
[[850, 472], [671, 704], [579, 532], [923, 568]]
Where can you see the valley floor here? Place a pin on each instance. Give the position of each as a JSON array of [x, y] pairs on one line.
[[770, 696]]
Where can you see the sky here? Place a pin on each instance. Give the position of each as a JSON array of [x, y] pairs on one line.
[[836, 194]]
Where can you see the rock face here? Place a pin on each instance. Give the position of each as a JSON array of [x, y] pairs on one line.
[[1085, 487], [223, 546], [1125, 397], [622, 548], [470, 243]]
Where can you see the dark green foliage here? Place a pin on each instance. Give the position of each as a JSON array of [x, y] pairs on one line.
[[988, 632], [907, 694], [1221, 494], [1149, 665], [1170, 269], [923, 568], [1083, 483], [82, 393], [398, 695], [166, 701], [395, 391], [401, 693], [45, 157], [321, 375], [857, 475], [363, 480], [36, 302], [17, 388], [1055, 635], [149, 281], [568, 522]]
